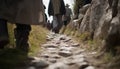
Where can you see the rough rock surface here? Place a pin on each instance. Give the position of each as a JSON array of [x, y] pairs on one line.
[[101, 21]]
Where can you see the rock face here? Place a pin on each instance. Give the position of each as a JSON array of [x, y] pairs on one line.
[[102, 21]]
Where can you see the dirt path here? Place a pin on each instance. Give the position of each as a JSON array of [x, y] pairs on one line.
[[61, 52]]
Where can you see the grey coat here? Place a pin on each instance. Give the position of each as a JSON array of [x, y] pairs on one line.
[[22, 11]]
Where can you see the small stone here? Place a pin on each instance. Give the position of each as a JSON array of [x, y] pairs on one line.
[[78, 56], [31, 67], [76, 45], [92, 53], [56, 56], [65, 53], [78, 60], [62, 37], [45, 55], [52, 60], [48, 39], [66, 48], [83, 65], [50, 46], [67, 39], [90, 67], [79, 52], [41, 64], [64, 45], [68, 62], [58, 65]]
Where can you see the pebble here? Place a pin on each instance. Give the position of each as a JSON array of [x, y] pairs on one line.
[[75, 44], [83, 65], [41, 64], [31, 67], [90, 67], [52, 60], [65, 53], [50, 46]]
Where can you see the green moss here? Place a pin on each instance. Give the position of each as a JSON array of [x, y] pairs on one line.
[[11, 35]]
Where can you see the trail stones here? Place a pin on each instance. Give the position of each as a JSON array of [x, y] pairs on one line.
[[58, 65], [52, 60], [83, 65], [50, 46], [60, 52], [79, 51], [31, 67], [75, 44], [65, 53], [41, 64], [90, 67]]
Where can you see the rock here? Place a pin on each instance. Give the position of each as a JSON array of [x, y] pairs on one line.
[[78, 60], [92, 53], [31, 67], [31, 58], [90, 67], [67, 39], [68, 62], [59, 65], [52, 60], [48, 39], [79, 56], [77, 52], [65, 53], [66, 48], [83, 65], [64, 45], [50, 46], [75, 45], [56, 56], [62, 37], [41, 64], [45, 55]]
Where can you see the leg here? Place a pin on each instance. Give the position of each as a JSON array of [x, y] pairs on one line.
[[4, 38], [60, 23], [21, 33]]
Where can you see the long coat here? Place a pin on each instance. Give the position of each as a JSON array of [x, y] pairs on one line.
[[56, 7], [22, 11]]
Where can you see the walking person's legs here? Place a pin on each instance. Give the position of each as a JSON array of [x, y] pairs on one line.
[[21, 33], [60, 23], [4, 37]]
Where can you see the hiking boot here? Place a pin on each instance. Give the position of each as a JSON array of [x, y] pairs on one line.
[[21, 35]]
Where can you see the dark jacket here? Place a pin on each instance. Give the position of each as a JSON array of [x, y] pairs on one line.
[[22, 11], [51, 9]]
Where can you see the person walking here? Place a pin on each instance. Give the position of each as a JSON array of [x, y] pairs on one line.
[[67, 16], [56, 9], [22, 13]]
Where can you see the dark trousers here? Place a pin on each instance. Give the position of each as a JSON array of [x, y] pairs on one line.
[[59, 23], [21, 33], [4, 37]]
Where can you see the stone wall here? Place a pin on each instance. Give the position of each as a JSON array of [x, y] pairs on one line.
[[102, 21]]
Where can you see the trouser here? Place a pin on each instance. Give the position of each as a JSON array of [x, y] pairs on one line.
[[21, 33], [4, 37], [59, 23]]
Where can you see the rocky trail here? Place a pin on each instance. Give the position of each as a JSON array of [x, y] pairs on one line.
[[61, 52]]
